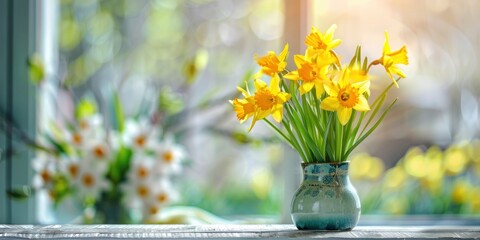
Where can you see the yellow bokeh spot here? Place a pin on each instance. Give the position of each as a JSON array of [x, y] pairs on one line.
[[475, 200], [395, 178], [455, 161], [434, 170], [261, 183], [416, 165], [364, 166], [460, 191]]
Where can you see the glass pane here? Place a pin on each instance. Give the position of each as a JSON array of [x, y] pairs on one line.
[[143, 124]]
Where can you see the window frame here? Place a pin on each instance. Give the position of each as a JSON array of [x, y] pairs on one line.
[[18, 106]]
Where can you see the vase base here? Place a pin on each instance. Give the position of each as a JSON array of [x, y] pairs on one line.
[[327, 223]]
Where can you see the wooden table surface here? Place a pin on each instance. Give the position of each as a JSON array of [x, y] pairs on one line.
[[231, 231]]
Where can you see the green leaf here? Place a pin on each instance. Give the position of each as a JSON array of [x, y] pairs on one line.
[[60, 147], [365, 135], [20, 193], [36, 69], [118, 111], [118, 169]]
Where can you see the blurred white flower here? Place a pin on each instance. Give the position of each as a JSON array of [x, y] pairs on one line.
[[141, 168], [71, 166], [169, 156], [136, 157], [98, 151], [44, 167], [86, 129], [140, 134], [91, 181], [161, 195], [91, 125]]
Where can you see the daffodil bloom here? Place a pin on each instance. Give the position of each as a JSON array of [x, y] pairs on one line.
[[320, 86], [271, 64], [268, 100], [389, 60], [345, 96], [317, 40], [245, 108], [313, 69]]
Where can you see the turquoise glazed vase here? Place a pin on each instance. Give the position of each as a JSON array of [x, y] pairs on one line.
[[326, 199]]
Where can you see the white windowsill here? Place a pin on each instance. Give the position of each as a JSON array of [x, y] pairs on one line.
[[230, 231]]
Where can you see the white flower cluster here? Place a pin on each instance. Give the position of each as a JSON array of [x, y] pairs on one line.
[[137, 161]]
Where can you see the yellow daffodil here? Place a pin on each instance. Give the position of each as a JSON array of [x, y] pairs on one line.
[[345, 96], [272, 64], [320, 85], [268, 100], [313, 69], [319, 41], [245, 108], [389, 60]]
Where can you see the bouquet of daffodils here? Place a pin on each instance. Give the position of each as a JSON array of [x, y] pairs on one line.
[[130, 169], [323, 105]]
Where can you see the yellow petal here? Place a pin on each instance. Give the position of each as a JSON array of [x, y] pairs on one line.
[[306, 87], [283, 55], [330, 104], [243, 91], [293, 75], [331, 89], [259, 84], [274, 84], [282, 97], [386, 46], [345, 78], [319, 89], [252, 124], [261, 115], [400, 56], [335, 43], [397, 71], [362, 104], [299, 60], [277, 113], [344, 115], [363, 86], [330, 31]]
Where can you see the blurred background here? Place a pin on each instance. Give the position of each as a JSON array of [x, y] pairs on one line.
[[174, 64]]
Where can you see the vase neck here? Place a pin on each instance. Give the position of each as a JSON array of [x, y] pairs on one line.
[[326, 172]]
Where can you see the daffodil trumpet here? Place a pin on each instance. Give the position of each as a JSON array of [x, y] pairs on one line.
[[322, 107]]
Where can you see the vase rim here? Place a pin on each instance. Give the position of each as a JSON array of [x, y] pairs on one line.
[[330, 163]]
